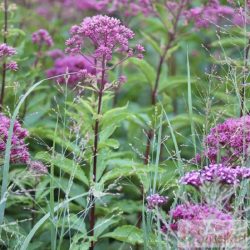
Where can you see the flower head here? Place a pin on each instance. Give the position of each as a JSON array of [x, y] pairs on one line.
[[12, 66], [132, 7], [6, 51], [19, 152], [122, 79], [202, 223], [216, 173], [107, 35], [42, 37], [38, 167], [156, 200], [96, 5], [71, 64], [228, 142], [213, 13], [55, 54]]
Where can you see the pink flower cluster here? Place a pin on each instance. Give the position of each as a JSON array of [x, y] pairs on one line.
[[127, 7], [107, 35], [19, 151], [203, 224], [131, 7], [213, 13], [6, 52], [42, 37], [38, 167], [55, 54], [216, 173], [96, 5], [80, 65], [228, 142], [156, 200]]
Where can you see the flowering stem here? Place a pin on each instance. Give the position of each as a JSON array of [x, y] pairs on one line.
[[4, 63], [171, 35], [154, 94], [95, 153], [150, 132]]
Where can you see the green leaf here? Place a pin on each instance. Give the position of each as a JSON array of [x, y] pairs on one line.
[[78, 244], [107, 132], [102, 224], [128, 233], [128, 206], [145, 68], [74, 222], [174, 82], [153, 43], [116, 173], [15, 32], [114, 116], [230, 42], [112, 143], [41, 221], [75, 189], [41, 189], [68, 166], [172, 50], [182, 120], [124, 168]]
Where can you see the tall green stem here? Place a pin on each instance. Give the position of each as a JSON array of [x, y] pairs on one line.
[[95, 153], [5, 31]]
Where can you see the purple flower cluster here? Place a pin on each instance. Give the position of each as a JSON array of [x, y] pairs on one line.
[[203, 223], [55, 54], [212, 13], [69, 7], [156, 200], [38, 167], [12, 65], [93, 5], [197, 214], [71, 64], [6, 52], [107, 35], [19, 151], [42, 37], [229, 141], [131, 7], [96, 5], [216, 173]]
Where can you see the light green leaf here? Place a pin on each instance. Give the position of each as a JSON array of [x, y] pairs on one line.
[[114, 116], [230, 42], [102, 224], [128, 233], [174, 82], [68, 166], [145, 68], [112, 143], [107, 132], [152, 42]]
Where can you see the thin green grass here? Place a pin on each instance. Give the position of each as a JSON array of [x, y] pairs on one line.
[[190, 106]]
